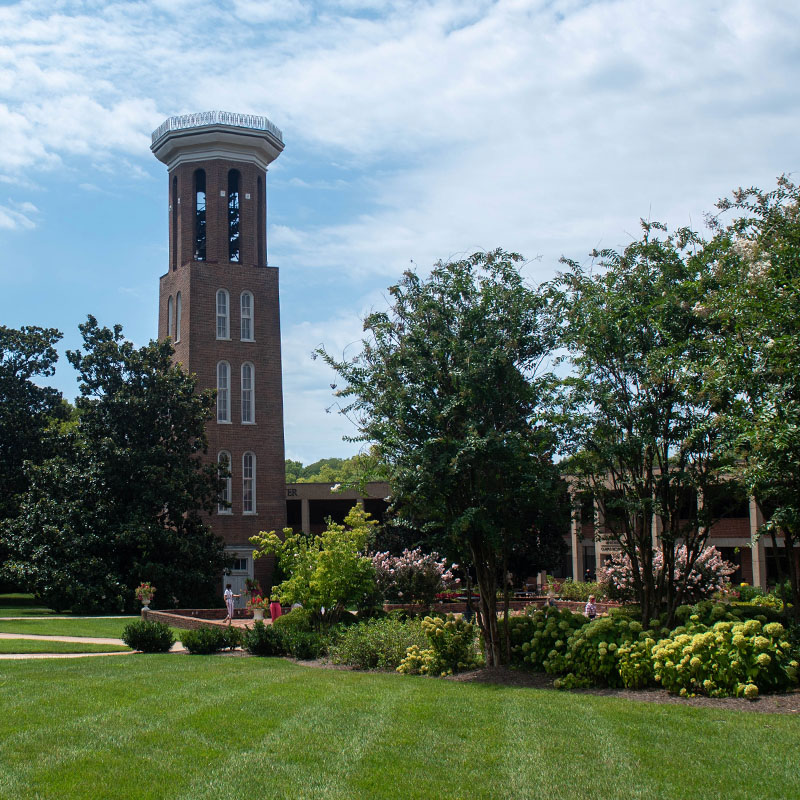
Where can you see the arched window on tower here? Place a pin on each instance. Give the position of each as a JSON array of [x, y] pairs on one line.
[[248, 394], [174, 231], [223, 314], [249, 483], [233, 216], [178, 315], [261, 256], [224, 469], [247, 334], [170, 317], [200, 215], [223, 392]]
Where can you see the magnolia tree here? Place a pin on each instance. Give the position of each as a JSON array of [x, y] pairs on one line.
[[709, 572], [413, 576]]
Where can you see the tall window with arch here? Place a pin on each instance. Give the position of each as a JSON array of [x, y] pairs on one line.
[[170, 317], [248, 394], [261, 256], [200, 215], [178, 315], [174, 212], [223, 314], [247, 317], [233, 216], [224, 469], [249, 483], [223, 392]]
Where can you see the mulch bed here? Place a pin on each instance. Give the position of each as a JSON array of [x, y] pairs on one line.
[[771, 703]]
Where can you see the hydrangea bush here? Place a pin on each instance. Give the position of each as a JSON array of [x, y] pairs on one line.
[[413, 576], [728, 659], [452, 648], [709, 573]]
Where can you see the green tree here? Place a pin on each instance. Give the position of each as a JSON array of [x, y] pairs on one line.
[[643, 439], [753, 372], [448, 387], [349, 472], [26, 410], [330, 571], [121, 502]]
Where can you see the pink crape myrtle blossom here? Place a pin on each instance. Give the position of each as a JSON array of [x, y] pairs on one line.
[[413, 576], [709, 574]]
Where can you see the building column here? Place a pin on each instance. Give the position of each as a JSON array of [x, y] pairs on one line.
[[599, 526], [758, 548], [305, 516], [576, 538]]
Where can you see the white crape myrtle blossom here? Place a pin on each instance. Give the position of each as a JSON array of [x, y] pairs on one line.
[[413, 575], [710, 572]]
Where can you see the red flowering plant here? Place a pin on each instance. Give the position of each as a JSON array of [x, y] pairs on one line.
[[258, 601], [144, 592]]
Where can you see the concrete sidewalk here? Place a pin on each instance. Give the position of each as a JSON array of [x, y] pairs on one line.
[[176, 648]]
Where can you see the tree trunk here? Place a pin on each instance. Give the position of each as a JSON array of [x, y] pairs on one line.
[[486, 578]]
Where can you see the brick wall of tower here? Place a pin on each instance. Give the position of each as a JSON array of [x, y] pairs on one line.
[[199, 350]]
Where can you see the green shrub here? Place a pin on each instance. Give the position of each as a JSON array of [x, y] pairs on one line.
[[550, 629], [580, 590], [747, 592], [303, 645], [148, 636], [452, 648], [205, 641], [298, 620], [233, 638], [263, 640], [376, 643], [728, 659], [595, 652]]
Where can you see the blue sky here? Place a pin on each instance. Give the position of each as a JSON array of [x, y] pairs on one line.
[[414, 131]]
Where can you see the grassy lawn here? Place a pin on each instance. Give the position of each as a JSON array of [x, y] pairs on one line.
[[32, 646], [66, 626], [215, 727]]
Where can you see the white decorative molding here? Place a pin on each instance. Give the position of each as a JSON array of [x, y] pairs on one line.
[[206, 118]]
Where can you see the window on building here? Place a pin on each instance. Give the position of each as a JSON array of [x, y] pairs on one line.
[[239, 565], [249, 483], [223, 392], [174, 231], [233, 215], [170, 317], [261, 257], [224, 468], [248, 394], [247, 317], [178, 314], [200, 215], [223, 315]]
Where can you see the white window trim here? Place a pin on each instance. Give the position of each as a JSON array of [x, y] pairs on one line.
[[170, 316], [178, 315], [252, 316], [227, 419], [253, 479], [252, 420], [217, 315], [222, 510]]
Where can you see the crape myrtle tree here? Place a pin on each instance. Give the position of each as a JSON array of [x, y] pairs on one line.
[[121, 501], [449, 386], [752, 309], [643, 440]]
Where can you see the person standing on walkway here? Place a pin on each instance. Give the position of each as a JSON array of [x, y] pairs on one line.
[[229, 595]]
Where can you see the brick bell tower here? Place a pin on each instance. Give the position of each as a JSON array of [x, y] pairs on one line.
[[218, 302]]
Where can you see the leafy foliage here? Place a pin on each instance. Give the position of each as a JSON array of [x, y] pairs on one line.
[[263, 640], [345, 471], [148, 636], [330, 571], [376, 643], [448, 387], [120, 503], [451, 648], [413, 576], [205, 641]]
